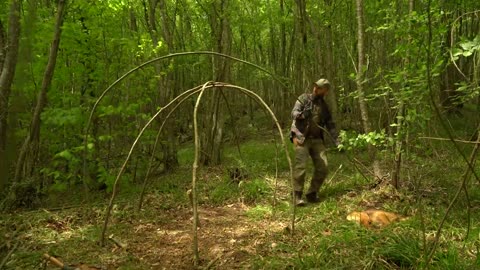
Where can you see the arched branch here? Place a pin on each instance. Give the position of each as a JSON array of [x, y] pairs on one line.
[[87, 127]]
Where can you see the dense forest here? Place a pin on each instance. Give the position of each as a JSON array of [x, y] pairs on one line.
[[153, 134]]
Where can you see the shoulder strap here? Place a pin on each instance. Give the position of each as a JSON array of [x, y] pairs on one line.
[[303, 98]]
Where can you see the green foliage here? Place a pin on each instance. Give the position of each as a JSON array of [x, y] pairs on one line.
[[223, 192], [353, 140], [62, 118], [400, 250], [451, 259], [259, 212], [254, 190], [264, 156], [467, 48], [64, 170], [106, 177]]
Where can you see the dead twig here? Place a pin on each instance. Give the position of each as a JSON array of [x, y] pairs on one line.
[[117, 242], [447, 139], [212, 262], [54, 261], [10, 252], [334, 174]]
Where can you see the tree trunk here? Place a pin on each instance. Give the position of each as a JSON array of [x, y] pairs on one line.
[[400, 136], [212, 142], [29, 150], [301, 41], [3, 47], [450, 75], [10, 50], [167, 85], [170, 160], [330, 69], [283, 68], [360, 80]]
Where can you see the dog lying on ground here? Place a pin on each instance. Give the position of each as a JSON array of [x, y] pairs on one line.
[[374, 218]]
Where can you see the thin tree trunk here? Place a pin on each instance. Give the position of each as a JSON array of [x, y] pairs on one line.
[[31, 143], [212, 142], [300, 25], [330, 67], [283, 67], [169, 149], [450, 76], [400, 136], [360, 79], [9, 62], [167, 86], [3, 47]]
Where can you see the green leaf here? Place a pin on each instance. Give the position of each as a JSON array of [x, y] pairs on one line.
[[104, 138], [457, 52], [59, 186], [65, 154], [467, 53]]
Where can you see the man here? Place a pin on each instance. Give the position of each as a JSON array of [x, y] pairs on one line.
[[311, 117]]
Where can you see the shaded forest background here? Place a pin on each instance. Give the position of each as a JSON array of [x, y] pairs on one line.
[[404, 73], [51, 78]]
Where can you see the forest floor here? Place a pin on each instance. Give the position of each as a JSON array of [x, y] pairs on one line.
[[156, 238], [240, 227]]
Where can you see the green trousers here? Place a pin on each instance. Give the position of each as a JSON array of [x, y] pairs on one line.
[[314, 148]]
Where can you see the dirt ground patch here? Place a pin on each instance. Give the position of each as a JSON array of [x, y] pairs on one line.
[[227, 238]]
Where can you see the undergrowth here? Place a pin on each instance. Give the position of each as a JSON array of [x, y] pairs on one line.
[[323, 238]]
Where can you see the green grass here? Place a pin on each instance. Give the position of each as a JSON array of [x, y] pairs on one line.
[[260, 212], [325, 240]]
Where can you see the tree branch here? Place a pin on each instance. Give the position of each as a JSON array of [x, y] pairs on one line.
[[447, 139]]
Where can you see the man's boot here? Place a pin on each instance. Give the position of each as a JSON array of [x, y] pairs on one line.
[[298, 198], [312, 197]]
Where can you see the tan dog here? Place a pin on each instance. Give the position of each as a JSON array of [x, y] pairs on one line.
[[374, 218]]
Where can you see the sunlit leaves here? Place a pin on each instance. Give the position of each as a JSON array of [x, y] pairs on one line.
[[116, 5], [467, 48], [351, 140], [147, 50]]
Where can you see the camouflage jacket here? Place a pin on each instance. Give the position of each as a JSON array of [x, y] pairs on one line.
[[310, 118]]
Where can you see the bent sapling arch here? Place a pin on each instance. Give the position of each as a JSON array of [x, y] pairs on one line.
[[208, 85], [187, 93], [100, 98]]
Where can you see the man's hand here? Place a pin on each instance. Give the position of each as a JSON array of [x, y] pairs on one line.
[[296, 142]]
